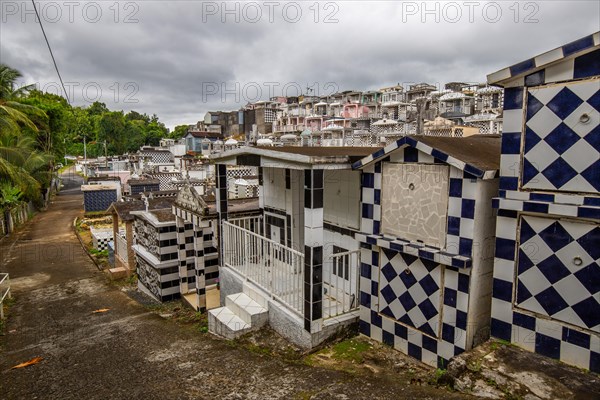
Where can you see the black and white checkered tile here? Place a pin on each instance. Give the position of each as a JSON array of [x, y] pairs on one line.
[[410, 290], [562, 141], [524, 91], [166, 179], [422, 314], [98, 200], [558, 270], [240, 172], [552, 307], [158, 156], [102, 237], [546, 280]]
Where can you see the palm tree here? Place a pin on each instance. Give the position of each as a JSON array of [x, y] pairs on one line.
[[21, 164], [12, 113]]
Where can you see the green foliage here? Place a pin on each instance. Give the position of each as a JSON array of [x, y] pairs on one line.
[[38, 129], [9, 195], [439, 377], [350, 350], [99, 253], [179, 132]]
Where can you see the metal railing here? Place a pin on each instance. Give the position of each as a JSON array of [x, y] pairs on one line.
[[121, 247], [4, 291], [277, 269], [341, 284]]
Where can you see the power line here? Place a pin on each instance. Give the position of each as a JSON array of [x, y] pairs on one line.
[[51, 54]]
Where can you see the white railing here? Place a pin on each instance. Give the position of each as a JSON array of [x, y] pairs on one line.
[[121, 247], [287, 128], [252, 223], [277, 269], [4, 292], [341, 284]]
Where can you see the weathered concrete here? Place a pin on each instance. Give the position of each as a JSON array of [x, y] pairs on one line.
[[129, 352], [495, 370]]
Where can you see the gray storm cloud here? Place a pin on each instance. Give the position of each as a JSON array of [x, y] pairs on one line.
[[167, 57]]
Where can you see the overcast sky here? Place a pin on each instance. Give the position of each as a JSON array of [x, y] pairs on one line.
[[179, 59]]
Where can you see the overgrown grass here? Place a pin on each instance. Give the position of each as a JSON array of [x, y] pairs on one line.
[[177, 312], [351, 350], [497, 343], [261, 350], [345, 355], [6, 305], [99, 253], [96, 214]]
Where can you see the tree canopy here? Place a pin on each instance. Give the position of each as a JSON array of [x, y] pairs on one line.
[[39, 128]]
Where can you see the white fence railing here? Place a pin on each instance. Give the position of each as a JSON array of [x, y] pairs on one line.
[[277, 269], [4, 291], [121, 247], [341, 284], [253, 223]]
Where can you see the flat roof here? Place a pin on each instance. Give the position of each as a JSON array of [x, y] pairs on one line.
[[322, 151], [143, 181], [91, 188], [124, 208], [482, 151], [163, 215], [295, 157]]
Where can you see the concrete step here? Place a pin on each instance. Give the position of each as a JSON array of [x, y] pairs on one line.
[[247, 309], [118, 273], [256, 294], [223, 322]]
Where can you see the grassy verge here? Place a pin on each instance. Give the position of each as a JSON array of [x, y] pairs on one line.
[[7, 304], [177, 312]]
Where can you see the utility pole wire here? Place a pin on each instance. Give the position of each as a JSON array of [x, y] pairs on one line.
[[51, 53]]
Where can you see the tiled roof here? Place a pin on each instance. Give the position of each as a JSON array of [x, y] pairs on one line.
[[525, 67], [478, 155]]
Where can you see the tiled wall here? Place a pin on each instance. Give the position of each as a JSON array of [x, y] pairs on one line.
[[198, 258], [161, 282], [157, 271], [136, 188], [416, 297], [552, 98], [544, 299], [98, 200], [422, 313], [546, 286]]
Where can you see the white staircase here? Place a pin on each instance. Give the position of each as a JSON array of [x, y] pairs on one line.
[[243, 312]]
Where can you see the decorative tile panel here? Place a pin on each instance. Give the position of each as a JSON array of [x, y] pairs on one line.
[[562, 138], [410, 291], [558, 272]]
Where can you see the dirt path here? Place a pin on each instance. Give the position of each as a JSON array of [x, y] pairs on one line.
[[130, 352]]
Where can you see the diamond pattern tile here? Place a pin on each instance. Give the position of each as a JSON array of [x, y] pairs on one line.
[[412, 297], [562, 138], [559, 270], [564, 103]]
